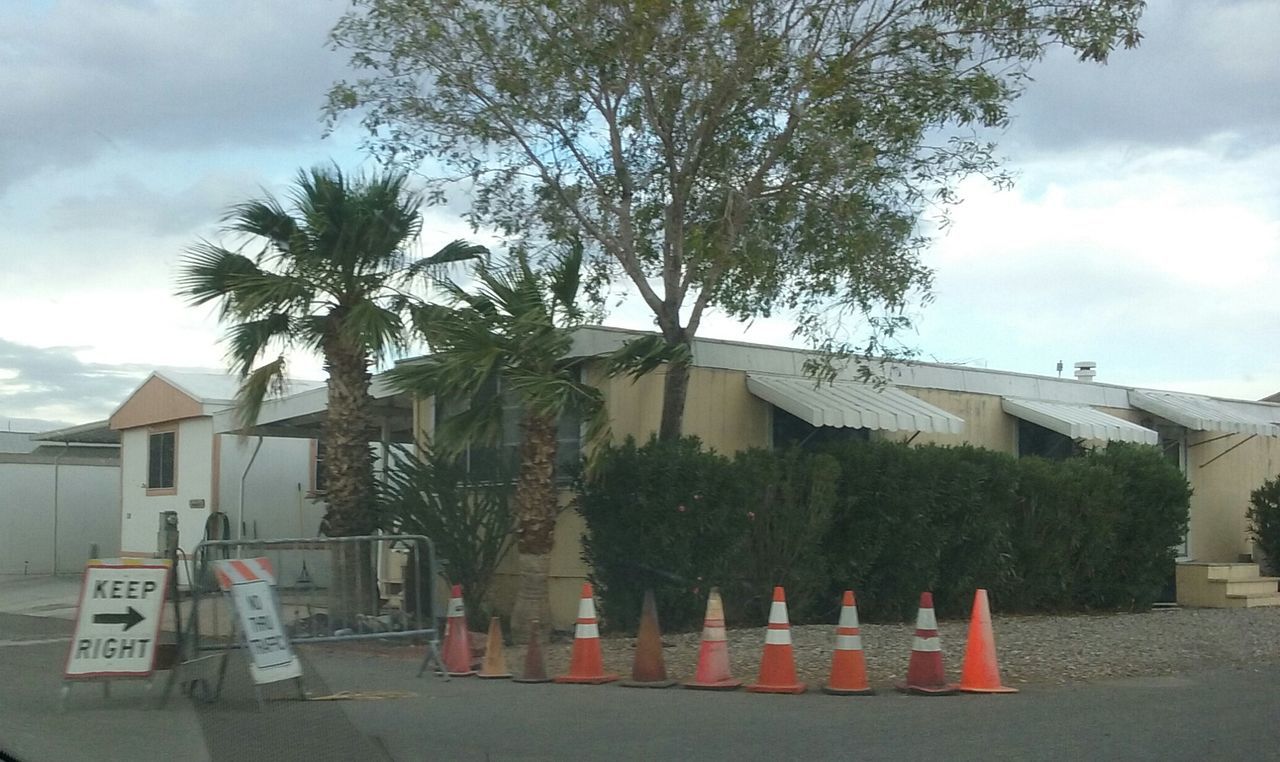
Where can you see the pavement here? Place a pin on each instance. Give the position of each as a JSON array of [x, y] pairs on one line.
[[1214, 713]]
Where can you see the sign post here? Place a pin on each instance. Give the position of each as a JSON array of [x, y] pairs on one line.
[[250, 584], [117, 622]]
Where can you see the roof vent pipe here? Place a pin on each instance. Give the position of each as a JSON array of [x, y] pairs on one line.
[[1086, 370]]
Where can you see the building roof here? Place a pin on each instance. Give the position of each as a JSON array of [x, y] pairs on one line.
[[168, 395], [97, 432], [1209, 414], [785, 361]]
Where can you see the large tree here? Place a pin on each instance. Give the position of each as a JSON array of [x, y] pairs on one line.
[[747, 155], [330, 272], [509, 339]]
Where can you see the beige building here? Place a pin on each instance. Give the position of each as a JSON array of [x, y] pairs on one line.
[[744, 395]]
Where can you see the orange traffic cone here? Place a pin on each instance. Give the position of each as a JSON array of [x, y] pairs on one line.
[[648, 670], [586, 664], [457, 642], [848, 665], [778, 665], [495, 654], [979, 672], [535, 670], [925, 673], [713, 655]]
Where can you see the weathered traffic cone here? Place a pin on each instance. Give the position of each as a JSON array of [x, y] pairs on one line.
[[979, 672], [713, 654], [778, 665], [586, 663], [848, 665], [457, 642], [648, 670], [495, 654], [535, 669], [925, 673]]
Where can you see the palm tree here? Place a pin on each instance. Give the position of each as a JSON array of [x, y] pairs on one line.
[[330, 273], [510, 337]]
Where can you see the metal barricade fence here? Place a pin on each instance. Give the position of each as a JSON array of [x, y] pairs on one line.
[[331, 589]]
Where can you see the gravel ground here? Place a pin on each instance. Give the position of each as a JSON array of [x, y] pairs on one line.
[[1031, 649]]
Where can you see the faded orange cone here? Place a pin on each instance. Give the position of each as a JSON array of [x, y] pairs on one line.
[[456, 650], [713, 654], [535, 670], [925, 673], [648, 669], [848, 664], [495, 654], [586, 663], [778, 665], [980, 673]]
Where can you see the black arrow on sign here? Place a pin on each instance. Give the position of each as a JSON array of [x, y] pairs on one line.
[[128, 619]]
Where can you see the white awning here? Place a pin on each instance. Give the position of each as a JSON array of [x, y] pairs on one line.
[[1078, 421], [850, 404], [1205, 414]]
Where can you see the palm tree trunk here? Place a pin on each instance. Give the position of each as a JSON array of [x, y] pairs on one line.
[[350, 483], [536, 509]]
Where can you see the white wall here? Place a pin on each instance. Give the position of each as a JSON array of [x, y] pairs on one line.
[[43, 530], [193, 480]]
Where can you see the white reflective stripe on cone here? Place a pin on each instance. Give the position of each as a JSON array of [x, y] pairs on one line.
[[586, 608], [713, 633], [849, 617], [455, 607], [587, 631], [777, 637], [926, 644], [778, 612], [849, 642], [926, 620]]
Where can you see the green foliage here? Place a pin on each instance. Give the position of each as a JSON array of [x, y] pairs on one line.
[[469, 522], [747, 155], [1264, 521], [665, 516], [884, 519]]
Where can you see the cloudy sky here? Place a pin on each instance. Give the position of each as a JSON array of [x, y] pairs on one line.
[[1143, 233]]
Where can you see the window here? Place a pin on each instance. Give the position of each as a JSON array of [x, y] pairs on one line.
[[1034, 440], [790, 431], [319, 474], [489, 461], [161, 456]]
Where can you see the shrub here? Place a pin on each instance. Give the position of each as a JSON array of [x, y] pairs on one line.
[[666, 516], [886, 519], [1264, 522], [470, 522]]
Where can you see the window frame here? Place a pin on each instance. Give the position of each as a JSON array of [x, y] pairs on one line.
[[172, 487]]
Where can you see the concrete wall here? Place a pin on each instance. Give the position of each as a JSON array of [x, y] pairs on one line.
[[51, 515]]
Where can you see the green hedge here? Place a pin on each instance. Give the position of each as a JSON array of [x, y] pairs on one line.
[[888, 520], [1264, 522]]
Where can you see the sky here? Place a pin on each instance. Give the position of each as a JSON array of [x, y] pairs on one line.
[[1143, 231]]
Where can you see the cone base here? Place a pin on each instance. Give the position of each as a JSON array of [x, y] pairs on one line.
[[588, 680], [929, 690], [530, 679], [998, 689], [797, 688], [647, 683], [493, 676], [834, 691], [461, 674], [722, 685]]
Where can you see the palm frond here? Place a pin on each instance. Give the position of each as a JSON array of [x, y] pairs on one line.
[[268, 379], [212, 272], [373, 326], [642, 355], [265, 218], [565, 279], [247, 341]]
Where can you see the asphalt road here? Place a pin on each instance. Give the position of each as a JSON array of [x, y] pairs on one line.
[[1215, 714]]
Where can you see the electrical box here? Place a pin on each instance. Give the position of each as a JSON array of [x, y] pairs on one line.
[[167, 536]]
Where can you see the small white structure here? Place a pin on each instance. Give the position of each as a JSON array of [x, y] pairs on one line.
[[174, 458], [59, 499]]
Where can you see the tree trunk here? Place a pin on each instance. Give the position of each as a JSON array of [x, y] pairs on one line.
[[349, 464], [536, 509], [675, 390]]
